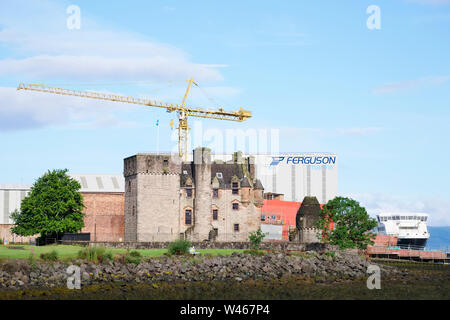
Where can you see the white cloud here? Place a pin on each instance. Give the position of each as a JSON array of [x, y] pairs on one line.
[[100, 68], [376, 203], [94, 52], [24, 110], [409, 85]]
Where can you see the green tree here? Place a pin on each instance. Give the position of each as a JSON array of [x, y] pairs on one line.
[[53, 206], [256, 238], [352, 224]]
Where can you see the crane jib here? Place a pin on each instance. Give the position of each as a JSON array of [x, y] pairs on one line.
[[240, 115], [184, 112]]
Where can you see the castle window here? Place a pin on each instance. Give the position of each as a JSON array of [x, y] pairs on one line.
[[215, 213], [215, 193], [235, 206], [235, 188], [188, 217], [236, 227], [219, 175], [166, 162], [189, 192]]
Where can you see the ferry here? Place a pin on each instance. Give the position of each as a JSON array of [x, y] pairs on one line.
[[409, 228]]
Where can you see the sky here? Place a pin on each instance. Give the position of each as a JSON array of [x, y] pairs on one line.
[[327, 76]]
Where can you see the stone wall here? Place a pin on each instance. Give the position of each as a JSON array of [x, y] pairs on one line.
[[278, 245], [309, 235], [158, 205]]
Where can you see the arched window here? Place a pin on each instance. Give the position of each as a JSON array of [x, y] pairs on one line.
[[188, 217]]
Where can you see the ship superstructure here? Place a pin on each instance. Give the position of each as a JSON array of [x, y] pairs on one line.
[[410, 228]]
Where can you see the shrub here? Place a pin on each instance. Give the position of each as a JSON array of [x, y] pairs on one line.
[[179, 247], [134, 257], [1, 241], [135, 254], [95, 254], [50, 256], [256, 238], [330, 254]]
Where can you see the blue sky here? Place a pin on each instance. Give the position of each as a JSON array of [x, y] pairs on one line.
[[315, 72]]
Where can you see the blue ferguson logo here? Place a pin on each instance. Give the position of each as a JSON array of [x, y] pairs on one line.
[[303, 160]]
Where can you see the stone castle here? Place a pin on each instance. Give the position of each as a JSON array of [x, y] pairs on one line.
[[167, 199]]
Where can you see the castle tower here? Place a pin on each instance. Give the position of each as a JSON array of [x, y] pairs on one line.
[[152, 197], [202, 204]]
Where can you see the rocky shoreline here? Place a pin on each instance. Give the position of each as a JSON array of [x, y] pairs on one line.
[[20, 275]]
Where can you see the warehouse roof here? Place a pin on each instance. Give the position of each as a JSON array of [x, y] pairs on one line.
[[89, 183], [100, 182]]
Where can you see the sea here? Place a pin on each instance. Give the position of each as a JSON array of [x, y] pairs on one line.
[[439, 238]]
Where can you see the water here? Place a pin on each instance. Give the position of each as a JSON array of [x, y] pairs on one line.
[[439, 238]]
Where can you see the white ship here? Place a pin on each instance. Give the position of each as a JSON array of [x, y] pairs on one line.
[[410, 228]]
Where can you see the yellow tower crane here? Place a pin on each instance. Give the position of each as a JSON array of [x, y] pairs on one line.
[[183, 111]]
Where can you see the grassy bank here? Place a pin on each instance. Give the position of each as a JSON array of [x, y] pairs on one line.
[[70, 252]]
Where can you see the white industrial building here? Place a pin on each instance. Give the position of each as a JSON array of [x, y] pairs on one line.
[[296, 175], [11, 196]]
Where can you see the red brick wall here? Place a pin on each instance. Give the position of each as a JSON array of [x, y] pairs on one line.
[[104, 216]]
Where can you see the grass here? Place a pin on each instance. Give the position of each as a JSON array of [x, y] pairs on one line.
[[69, 252]]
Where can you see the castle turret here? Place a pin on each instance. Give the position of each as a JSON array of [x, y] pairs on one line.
[[308, 213]]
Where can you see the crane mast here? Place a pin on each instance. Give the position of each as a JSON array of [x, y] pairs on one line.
[[183, 111]]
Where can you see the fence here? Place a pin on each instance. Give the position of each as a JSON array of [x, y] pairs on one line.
[[412, 253]]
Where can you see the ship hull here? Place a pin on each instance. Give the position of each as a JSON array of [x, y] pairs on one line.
[[416, 244]]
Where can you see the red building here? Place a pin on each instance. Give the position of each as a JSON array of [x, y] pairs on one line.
[[281, 212]]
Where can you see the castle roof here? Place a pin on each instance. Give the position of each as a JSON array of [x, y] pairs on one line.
[[223, 171]]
